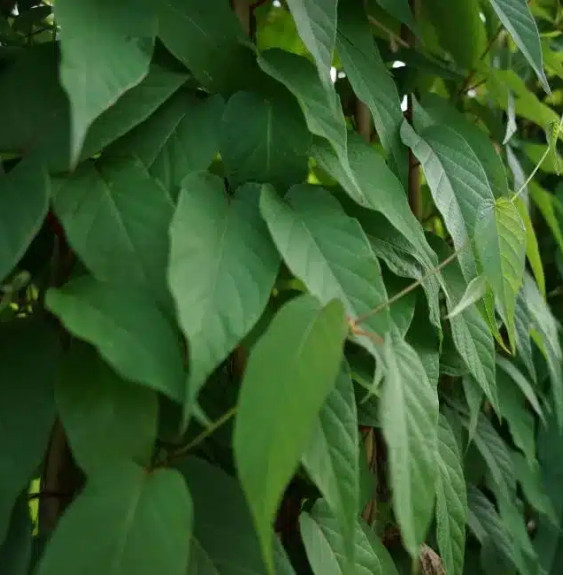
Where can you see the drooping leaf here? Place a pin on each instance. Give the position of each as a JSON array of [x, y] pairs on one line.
[[536, 151], [331, 459], [15, 551], [371, 81], [409, 416], [546, 204], [29, 353], [511, 127], [329, 252], [106, 419], [130, 332], [116, 218], [182, 136], [24, 201], [222, 269], [209, 40], [300, 353], [224, 539], [316, 24], [474, 398], [126, 520], [325, 546], [529, 476], [500, 241], [92, 33], [517, 19], [553, 133], [451, 500], [264, 140], [473, 292]]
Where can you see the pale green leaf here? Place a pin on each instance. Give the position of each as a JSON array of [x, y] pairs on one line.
[[500, 241], [24, 201], [536, 151], [331, 460], [511, 126], [221, 271], [264, 140], [316, 24], [473, 292], [325, 546], [116, 218], [517, 19], [29, 353], [125, 521], [91, 35], [451, 501], [546, 204], [371, 81], [329, 252], [105, 418], [300, 354], [130, 332], [409, 417]]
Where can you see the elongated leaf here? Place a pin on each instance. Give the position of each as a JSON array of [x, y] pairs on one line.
[[329, 252], [409, 416], [264, 140], [130, 332], [316, 24], [426, 341], [222, 269], [473, 292], [300, 353], [325, 546], [208, 39], [371, 81], [180, 137], [24, 201], [106, 419], [511, 126], [224, 539], [500, 241], [108, 528], [451, 500], [332, 457], [400, 10], [532, 248], [529, 476], [474, 398], [546, 204], [516, 17], [15, 552], [116, 218], [523, 339], [29, 353], [91, 35]]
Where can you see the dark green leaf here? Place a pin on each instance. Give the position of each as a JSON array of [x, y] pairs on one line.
[[300, 353], [15, 552]]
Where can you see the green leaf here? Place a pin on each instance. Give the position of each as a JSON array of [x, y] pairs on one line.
[[400, 10], [329, 252], [182, 136], [91, 36], [426, 341], [300, 354], [331, 459], [474, 398], [474, 291], [529, 476], [106, 419], [409, 416], [523, 340], [547, 204], [500, 241], [451, 501], [208, 39], [116, 218], [24, 202], [511, 126], [325, 546], [224, 539], [316, 24], [222, 269], [29, 352], [553, 132], [126, 520], [15, 552], [264, 140], [532, 248], [517, 19], [130, 332], [371, 81], [536, 151]]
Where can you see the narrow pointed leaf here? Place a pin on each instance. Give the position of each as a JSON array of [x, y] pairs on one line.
[[473, 292], [128, 329], [409, 416], [222, 269], [91, 35], [331, 459], [109, 525], [451, 501], [516, 17]]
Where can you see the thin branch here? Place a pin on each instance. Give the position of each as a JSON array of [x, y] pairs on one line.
[[394, 37]]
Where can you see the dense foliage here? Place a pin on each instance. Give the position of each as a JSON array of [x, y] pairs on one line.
[[280, 285]]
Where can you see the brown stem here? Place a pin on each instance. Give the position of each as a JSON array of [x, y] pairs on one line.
[[243, 10]]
